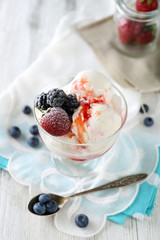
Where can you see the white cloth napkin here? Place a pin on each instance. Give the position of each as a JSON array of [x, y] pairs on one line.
[[66, 54]]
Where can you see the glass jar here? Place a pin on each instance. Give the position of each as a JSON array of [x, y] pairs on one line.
[[136, 33]]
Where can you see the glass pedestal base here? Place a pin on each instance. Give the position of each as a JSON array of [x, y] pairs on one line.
[[87, 168]]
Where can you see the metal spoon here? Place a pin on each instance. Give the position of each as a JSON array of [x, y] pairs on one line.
[[121, 182]]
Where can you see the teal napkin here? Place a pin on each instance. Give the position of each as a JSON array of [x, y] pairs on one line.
[[145, 199], [143, 203]]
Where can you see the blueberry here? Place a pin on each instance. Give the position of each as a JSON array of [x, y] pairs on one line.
[[51, 206], [26, 109], [81, 220], [34, 130], [14, 132], [43, 198], [144, 108], [39, 208], [33, 141], [148, 121]]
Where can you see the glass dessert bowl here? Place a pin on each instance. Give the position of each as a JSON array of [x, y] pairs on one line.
[[95, 124]]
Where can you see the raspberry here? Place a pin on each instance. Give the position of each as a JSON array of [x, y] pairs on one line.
[[41, 101], [125, 35], [56, 122], [145, 38], [71, 104], [56, 97], [128, 29], [146, 5]]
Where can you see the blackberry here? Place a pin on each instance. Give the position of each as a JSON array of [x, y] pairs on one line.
[[41, 101], [71, 104], [56, 98]]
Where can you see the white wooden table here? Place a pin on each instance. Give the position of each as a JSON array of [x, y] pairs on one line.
[[26, 27]]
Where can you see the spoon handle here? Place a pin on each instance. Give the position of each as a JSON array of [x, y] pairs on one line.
[[121, 182]]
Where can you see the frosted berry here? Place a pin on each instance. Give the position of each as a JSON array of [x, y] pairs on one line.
[[71, 104], [56, 97], [56, 122], [41, 101]]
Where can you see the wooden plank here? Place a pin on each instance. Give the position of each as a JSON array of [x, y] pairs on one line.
[[26, 27]]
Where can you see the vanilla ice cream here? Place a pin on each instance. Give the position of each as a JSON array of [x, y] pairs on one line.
[[96, 118], [95, 122]]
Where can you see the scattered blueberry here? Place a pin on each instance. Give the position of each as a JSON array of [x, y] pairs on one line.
[[33, 141], [26, 109], [81, 220], [43, 198], [144, 108], [34, 130], [14, 132], [51, 206], [39, 208], [148, 121]]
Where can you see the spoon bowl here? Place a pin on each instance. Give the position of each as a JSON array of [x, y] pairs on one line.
[[58, 199], [121, 182]]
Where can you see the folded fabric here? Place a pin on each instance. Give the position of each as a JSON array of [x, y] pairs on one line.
[[140, 74], [144, 201], [65, 55]]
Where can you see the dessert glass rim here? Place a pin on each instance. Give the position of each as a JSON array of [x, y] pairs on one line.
[[138, 16], [57, 138]]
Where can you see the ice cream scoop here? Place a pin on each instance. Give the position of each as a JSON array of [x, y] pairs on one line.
[[97, 116]]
